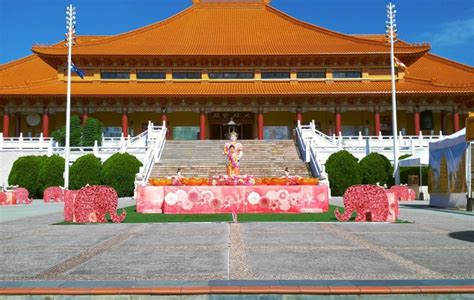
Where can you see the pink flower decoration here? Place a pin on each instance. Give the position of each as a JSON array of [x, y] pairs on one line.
[[283, 195], [215, 203], [193, 196], [264, 201], [187, 205]]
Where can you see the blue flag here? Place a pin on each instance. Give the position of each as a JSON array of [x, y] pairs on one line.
[[79, 73]]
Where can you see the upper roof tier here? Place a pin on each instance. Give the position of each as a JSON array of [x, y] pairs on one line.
[[230, 27]]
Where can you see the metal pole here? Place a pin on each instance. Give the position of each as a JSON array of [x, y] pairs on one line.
[[391, 33], [70, 11]]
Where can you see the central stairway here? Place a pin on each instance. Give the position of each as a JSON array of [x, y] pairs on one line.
[[267, 158]]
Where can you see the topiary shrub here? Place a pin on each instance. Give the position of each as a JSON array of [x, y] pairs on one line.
[[119, 172], [51, 173], [24, 173], [375, 169], [85, 170], [92, 131], [343, 171]]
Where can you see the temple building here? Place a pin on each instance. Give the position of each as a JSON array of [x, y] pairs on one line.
[[238, 62]]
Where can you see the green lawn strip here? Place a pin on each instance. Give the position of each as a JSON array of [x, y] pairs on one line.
[[134, 217]]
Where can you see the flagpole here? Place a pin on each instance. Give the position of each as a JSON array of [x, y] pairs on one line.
[[70, 17], [391, 31]]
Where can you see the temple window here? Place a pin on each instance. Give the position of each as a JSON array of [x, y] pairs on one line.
[[151, 75], [347, 74], [275, 75], [186, 75], [231, 75], [311, 74], [115, 75]]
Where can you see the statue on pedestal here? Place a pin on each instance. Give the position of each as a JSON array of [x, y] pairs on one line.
[[233, 152]]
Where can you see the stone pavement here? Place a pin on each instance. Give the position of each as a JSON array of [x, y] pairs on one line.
[[437, 245]]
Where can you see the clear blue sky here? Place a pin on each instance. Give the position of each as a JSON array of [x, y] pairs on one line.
[[447, 24]]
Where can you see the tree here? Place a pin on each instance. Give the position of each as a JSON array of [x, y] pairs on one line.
[[24, 173], [119, 172], [375, 169], [51, 173], [75, 139], [85, 170], [92, 132], [343, 171]]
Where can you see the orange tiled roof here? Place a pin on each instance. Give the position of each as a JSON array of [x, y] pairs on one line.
[[54, 87], [230, 29]]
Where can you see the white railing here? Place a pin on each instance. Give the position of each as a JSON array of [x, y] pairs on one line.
[[157, 143], [20, 143], [321, 146]]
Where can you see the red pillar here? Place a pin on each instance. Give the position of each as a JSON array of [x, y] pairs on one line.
[[416, 121], [260, 125], [338, 122], [125, 123], [85, 116], [299, 116], [202, 128], [6, 124], [45, 123], [456, 121], [377, 122]]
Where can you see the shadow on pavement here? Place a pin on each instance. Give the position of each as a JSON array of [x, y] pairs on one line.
[[463, 235]]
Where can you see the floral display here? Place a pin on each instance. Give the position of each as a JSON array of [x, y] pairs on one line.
[[370, 202], [224, 180], [232, 199], [53, 193], [91, 204], [403, 193]]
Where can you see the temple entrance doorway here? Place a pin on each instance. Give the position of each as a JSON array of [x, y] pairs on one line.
[[222, 123]]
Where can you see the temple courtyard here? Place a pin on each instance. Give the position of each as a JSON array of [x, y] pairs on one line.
[[434, 244]]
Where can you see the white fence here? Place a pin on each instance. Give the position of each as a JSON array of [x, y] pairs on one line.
[[317, 147], [139, 146]]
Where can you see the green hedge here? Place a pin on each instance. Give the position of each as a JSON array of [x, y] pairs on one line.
[[51, 173], [343, 171], [85, 170], [119, 172], [24, 173], [375, 169]]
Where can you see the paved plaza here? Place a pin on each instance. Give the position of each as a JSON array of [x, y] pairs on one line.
[[435, 245]]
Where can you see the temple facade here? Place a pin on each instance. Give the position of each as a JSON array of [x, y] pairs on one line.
[[241, 63]]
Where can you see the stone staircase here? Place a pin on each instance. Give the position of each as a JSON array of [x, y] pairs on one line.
[[204, 158]]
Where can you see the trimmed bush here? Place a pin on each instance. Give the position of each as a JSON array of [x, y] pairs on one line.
[[24, 173], [92, 131], [119, 172], [85, 170], [343, 171], [375, 169], [51, 173]]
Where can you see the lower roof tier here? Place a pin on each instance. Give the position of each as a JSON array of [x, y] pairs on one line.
[[156, 89]]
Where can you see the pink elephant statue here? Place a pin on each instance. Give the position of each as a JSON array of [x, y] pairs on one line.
[[403, 193], [21, 195], [69, 199], [3, 198], [53, 193], [92, 203], [370, 202]]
